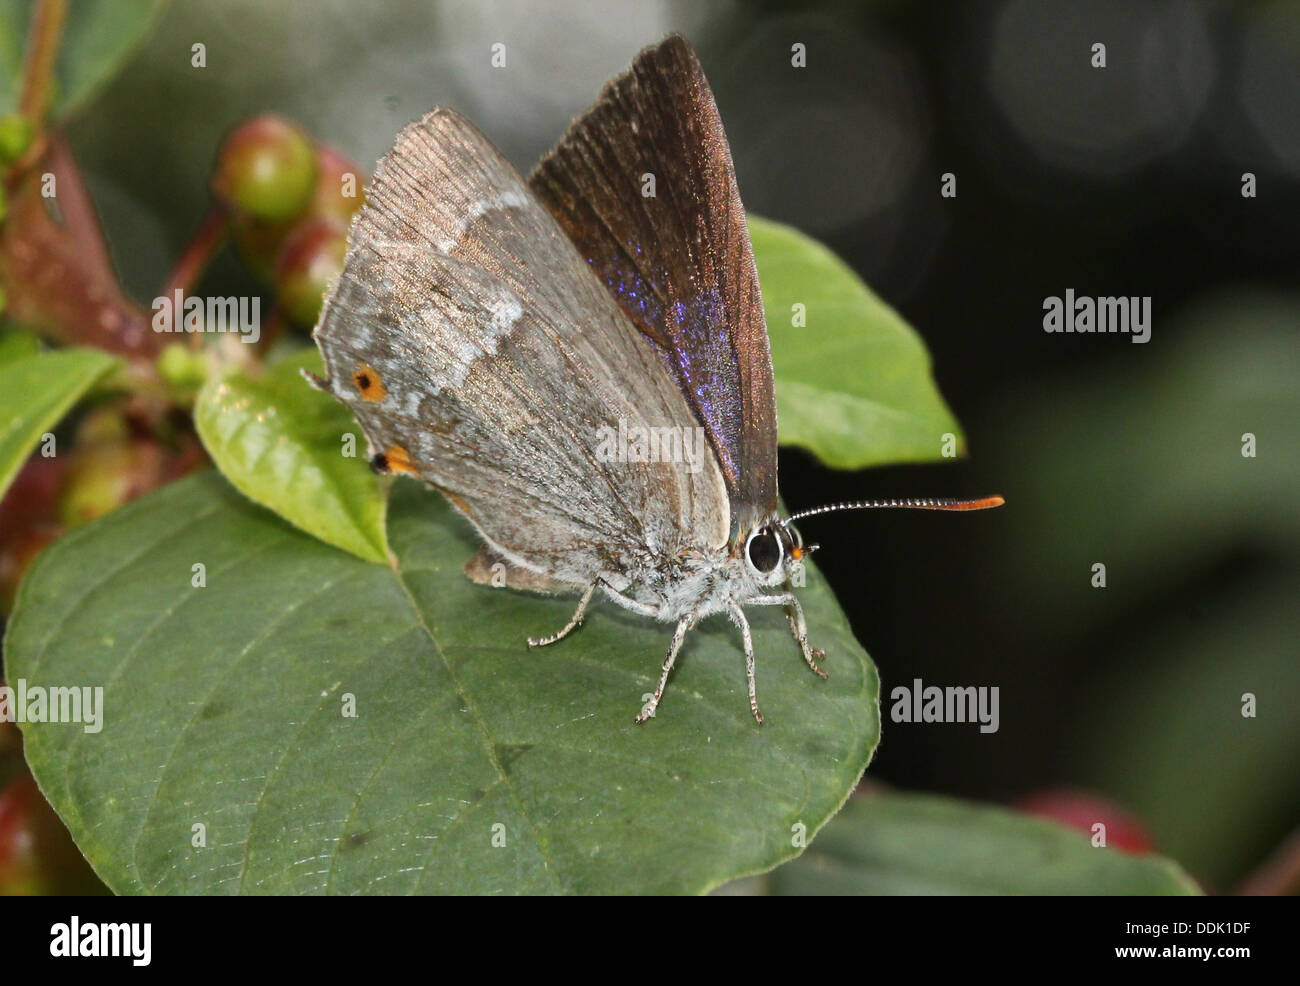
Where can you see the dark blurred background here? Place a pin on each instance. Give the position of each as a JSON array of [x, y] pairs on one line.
[[1117, 181]]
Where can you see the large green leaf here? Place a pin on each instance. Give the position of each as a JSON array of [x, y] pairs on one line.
[[918, 844], [283, 444], [35, 392], [223, 708], [853, 384], [98, 37]]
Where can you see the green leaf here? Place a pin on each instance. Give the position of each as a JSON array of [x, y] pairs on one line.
[[98, 38], [16, 344], [906, 844], [281, 443], [35, 392], [223, 708], [853, 385]]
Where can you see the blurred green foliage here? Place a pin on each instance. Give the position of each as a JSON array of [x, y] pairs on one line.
[[1142, 469]]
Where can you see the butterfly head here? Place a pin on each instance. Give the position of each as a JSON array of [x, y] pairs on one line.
[[773, 551]]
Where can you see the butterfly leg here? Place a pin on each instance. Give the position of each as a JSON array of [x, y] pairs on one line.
[[683, 625], [573, 623], [738, 618], [640, 608], [798, 627]]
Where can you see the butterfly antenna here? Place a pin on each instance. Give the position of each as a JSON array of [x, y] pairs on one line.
[[931, 503]]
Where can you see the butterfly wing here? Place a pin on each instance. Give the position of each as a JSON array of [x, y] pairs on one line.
[[480, 354], [644, 185]]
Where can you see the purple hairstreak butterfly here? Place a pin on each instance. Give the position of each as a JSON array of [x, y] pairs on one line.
[[498, 338]]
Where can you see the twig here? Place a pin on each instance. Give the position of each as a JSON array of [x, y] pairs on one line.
[[203, 246], [42, 49]]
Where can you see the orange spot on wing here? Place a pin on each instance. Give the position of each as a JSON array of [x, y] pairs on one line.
[[368, 384], [397, 459], [460, 504]]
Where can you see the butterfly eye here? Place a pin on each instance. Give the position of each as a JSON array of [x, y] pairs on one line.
[[764, 550]]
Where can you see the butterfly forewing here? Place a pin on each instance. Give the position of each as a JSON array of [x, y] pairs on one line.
[[479, 353]]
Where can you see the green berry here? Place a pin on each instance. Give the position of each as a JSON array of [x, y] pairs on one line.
[[182, 366], [266, 169], [104, 475], [15, 137]]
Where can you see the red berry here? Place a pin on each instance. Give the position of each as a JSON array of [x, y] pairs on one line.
[[339, 192], [37, 855], [28, 520], [309, 262], [1083, 811]]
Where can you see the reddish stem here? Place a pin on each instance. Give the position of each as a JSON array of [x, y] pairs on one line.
[[210, 237]]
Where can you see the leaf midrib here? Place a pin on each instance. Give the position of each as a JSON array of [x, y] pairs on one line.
[[489, 749]]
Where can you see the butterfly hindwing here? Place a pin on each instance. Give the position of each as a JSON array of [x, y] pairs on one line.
[[643, 184]]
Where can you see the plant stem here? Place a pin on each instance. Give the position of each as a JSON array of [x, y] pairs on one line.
[[42, 49], [203, 246]]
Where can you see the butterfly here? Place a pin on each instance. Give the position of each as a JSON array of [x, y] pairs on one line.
[[491, 334]]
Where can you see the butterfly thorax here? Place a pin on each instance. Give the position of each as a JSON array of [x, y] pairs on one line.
[[703, 580]]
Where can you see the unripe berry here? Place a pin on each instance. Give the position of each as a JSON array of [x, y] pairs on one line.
[[266, 169], [107, 468], [338, 195], [15, 137], [182, 367]]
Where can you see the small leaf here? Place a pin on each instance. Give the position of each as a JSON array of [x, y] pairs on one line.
[[36, 391], [99, 36], [853, 383], [224, 708], [905, 844], [282, 444]]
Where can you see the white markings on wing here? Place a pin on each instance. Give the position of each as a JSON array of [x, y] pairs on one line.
[[446, 240], [460, 342]]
